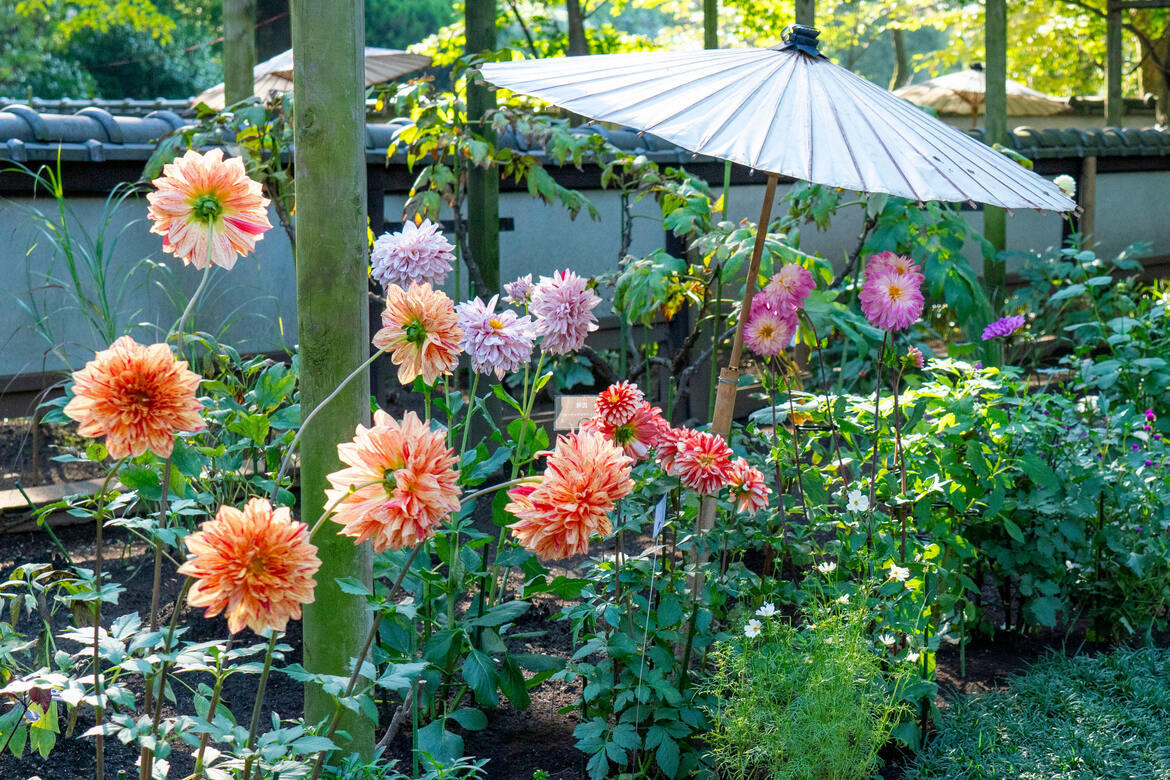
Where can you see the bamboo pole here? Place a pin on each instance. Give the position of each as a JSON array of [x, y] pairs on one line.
[[995, 132], [483, 184], [1114, 107], [806, 12], [239, 49], [1088, 201], [332, 317]]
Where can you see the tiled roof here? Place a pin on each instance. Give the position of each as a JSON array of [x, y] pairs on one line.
[[95, 134], [119, 107]]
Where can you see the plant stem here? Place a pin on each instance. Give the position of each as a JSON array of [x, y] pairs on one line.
[[254, 726], [205, 737], [877, 427], [292, 447], [181, 324], [99, 517], [157, 580], [361, 659], [470, 407], [146, 758]]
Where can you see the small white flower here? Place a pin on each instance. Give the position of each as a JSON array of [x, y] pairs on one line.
[[843, 599], [913, 657], [768, 610], [752, 629], [827, 567], [887, 639], [899, 573], [858, 501], [1067, 184]]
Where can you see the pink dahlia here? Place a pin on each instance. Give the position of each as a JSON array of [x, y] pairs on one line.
[[891, 299], [563, 306], [498, 342], [915, 358], [1003, 327], [636, 434], [891, 262], [418, 253], [747, 488], [769, 329], [618, 402], [790, 286], [702, 461], [519, 292]]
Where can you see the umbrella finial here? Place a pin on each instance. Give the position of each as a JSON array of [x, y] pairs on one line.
[[802, 38]]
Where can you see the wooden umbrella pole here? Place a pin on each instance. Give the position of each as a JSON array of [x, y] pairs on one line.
[[729, 375]]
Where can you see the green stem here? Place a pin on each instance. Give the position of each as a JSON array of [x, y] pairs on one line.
[[146, 758], [255, 724], [292, 447], [157, 580], [99, 518], [179, 326], [215, 694], [877, 426], [470, 408]]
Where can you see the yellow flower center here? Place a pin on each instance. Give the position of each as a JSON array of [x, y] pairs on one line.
[[495, 324], [767, 331], [895, 292]]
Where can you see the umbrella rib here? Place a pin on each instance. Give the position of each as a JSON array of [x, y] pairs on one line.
[[754, 159], [762, 84], [849, 147]]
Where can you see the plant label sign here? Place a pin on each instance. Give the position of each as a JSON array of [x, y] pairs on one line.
[[572, 410]]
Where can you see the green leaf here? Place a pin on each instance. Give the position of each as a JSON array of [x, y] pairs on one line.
[[252, 426], [1044, 610], [1013, 530], [667, 757], [470, 718], [480, 674], [502, 613], [1039, 471], [352, 586], [513, 685]]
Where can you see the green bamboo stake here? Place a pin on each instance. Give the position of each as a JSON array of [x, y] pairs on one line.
[[332, 318]]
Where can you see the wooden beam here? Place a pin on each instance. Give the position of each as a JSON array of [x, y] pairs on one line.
[[332, 321], [1130, 5], [1087, 200], [710, 24], [1114, 106], [483, 185], [806, 12], [995, 132], [239, 49]]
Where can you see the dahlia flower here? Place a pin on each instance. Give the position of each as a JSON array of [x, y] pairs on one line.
[[767, 610], [417, 254], [768, 332], [747, 488], [400, 483], [137, 397], [498, 342], [635, 435], [790, 286], [256, 565], [204, 196], [421, 331], [891, 296], [519, 292], [669, 443], [857, 501], [583, 478], [618, 402], [1003, 327], [702, 462], [1067, 184], [563, 307], [914, 357], [891, 262]]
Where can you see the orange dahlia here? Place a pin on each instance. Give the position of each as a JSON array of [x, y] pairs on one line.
[[202, 196], [746, 487], [256, 565], [702, 461], [400, 484], [583, 478], [137, 397], [421, 331]]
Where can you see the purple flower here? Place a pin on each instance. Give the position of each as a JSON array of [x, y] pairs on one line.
[[419, 253], [519, 292], [1149, 463], [1135, 447], [563, 307], [498, 342], [1149, 415], [1003, 327], [914, 357], [1157, 436]]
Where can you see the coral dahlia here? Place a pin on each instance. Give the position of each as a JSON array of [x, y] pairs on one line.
[[498, 342], [583, 478], [416, 254], [137, 397], [636, 435], [400, 483], [563, 306], [702, 461], [421, 331], [256, 565], [618, 402], [202, 196], [746, 486]]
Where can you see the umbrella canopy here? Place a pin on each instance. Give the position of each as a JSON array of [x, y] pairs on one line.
[[787, 111], [276, 74], [965, 92]]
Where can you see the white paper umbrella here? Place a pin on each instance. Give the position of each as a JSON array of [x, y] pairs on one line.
[[965, 92], [276, 74], [785, 112]]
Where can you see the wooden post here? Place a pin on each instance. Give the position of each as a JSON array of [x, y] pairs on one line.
[[332, 318], [1087, 200], [483, 185], [806, 12], [995, 132], [239, 49], [710, 24], [1114, 109]]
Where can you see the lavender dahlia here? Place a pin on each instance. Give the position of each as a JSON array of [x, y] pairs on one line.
[[498, 342], [1003, 327], [419, 253], [891, 296], [563, 306]]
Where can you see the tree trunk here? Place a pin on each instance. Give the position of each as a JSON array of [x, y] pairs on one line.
[[806, 12], [710, 24], [578, 44], [483, 185], [239, 49], [332, 319], [901, 59], [1154, 75]]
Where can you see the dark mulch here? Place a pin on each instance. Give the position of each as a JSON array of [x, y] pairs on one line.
[[19, 442]]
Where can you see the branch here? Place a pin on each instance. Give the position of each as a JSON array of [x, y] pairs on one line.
[[1147, 44], [524, 28], [600, 364]]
